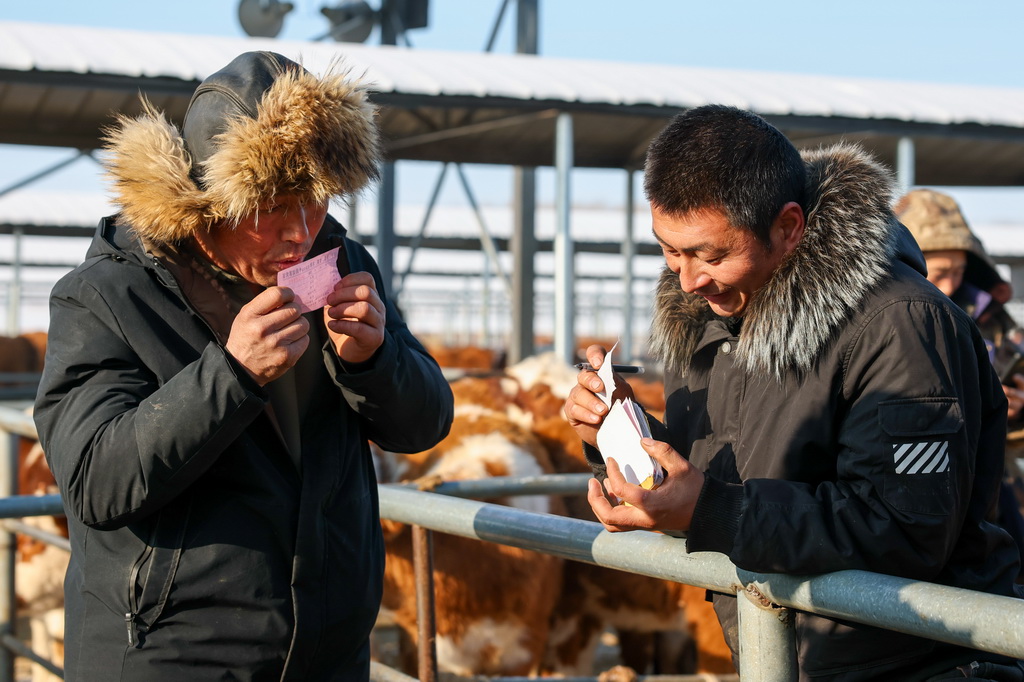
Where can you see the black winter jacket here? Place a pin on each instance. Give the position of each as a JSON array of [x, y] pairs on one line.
[[850, 420], [199, 550]]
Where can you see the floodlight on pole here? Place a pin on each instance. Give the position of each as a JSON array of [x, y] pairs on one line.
[[352, 21], [263, 18]]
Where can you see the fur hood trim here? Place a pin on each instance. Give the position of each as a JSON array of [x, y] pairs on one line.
[[314, 137], [849, 242]]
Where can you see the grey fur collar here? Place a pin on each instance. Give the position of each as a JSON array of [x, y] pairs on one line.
[[848, 246]]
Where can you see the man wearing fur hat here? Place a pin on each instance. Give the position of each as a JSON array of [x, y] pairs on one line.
[[210, 440], [827, 408]]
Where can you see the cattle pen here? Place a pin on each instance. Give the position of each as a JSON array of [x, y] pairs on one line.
[[767, 638]]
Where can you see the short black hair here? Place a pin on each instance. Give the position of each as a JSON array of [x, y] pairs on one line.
[[724, 158]]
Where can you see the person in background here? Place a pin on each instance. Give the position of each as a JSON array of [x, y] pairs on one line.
[[961, 269], [210, 439], [827, 408]]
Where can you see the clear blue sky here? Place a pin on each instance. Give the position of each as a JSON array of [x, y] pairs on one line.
[[945, 41]]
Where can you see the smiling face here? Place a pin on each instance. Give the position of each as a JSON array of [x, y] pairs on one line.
[[276, 237], [724, 264]]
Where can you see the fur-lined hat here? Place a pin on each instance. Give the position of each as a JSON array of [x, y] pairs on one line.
[[259, 127]]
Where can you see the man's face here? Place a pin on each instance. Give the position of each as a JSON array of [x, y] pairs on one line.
[[946, 269], [713, 259], [264, 243]]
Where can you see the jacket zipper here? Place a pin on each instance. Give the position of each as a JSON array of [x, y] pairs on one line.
[[133, 599]]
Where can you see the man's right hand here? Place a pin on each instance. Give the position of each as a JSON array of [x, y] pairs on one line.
[[268, 335], [584, 410]]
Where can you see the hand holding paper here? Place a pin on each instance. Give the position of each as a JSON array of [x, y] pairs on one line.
[[620, 434], [312, 280]]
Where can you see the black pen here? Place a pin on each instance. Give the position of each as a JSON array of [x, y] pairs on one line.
[[621, 369]]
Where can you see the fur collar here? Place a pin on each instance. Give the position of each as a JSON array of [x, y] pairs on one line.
[[848, 246], [311, 136]]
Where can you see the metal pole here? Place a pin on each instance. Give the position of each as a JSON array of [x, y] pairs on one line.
[[524, 240], [905, 164], [415, 244], [524, 248], [14, 289], [8, 547], [352, 218], [490, 248], [565, 344], [384, 240], [423, 568], [767, 639], [628, 253]]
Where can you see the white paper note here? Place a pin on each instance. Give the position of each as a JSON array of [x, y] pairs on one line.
[[620, 433]]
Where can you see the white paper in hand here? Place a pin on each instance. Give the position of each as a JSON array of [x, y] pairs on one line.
[[312, 280], [620, 433]]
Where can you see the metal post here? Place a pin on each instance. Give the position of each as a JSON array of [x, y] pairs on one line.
[[628, 252], [14, 289], [905, 164], [767, 639], [423, 568], [8, 547], [524, 241], [352, 218], [565, 343], [524, 247], [384, 240]]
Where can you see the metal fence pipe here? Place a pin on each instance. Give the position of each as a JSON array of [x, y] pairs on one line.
[[949, 614], [18, 647], [767, 639], [15, 526], [503, 486], [650, 554], [17, 506], [17, 422], [937, 612], [382, 673], [426, 622], [8, 547]]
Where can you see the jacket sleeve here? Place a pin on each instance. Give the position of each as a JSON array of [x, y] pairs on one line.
[[120, 443], [400, 395], [917, 397]]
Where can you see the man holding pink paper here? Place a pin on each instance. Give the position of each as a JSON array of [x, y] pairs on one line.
[[217, 367]]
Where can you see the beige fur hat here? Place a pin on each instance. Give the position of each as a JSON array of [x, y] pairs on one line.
[[259, 127]]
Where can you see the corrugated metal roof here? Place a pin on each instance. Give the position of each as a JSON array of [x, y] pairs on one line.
[[119, 52], [60, 84]]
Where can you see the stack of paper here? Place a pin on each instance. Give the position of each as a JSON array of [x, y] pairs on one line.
[[620, 433]]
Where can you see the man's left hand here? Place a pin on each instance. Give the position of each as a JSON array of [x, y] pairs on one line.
[[667, 507], [355, 317]]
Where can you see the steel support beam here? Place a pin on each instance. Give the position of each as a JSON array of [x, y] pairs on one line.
[[565, 342], [628, 252], [906, 164], [384, 240]]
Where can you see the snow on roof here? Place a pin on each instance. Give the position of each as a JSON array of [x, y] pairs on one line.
[[87, 50]]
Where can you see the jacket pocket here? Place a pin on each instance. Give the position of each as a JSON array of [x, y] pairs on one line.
[[153, 573], [922, 443]]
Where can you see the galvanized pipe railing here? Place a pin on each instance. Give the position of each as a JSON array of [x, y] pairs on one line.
[[948, 614]]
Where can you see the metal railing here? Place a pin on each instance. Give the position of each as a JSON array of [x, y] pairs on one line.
[[767, 646], [767, 640]]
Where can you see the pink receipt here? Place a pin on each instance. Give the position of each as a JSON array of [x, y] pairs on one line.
[[312, 280]]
